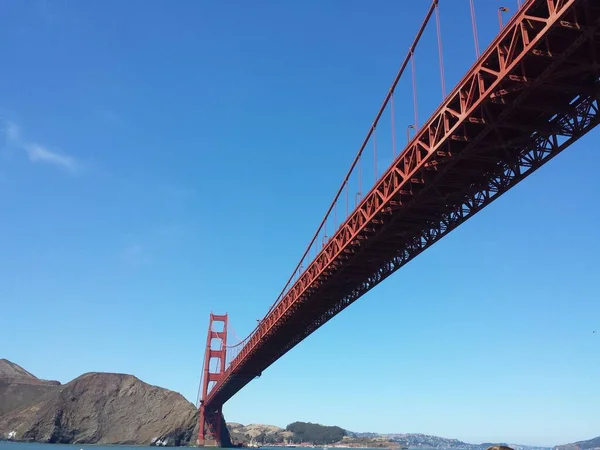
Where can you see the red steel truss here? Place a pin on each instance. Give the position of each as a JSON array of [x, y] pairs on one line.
[[534, 92]]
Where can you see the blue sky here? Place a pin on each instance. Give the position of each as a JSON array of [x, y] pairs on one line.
[[161, 159]]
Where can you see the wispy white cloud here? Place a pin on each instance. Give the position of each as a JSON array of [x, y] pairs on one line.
[[38, 153]]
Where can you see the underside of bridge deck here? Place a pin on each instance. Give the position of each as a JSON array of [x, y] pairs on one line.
[[532, 94]]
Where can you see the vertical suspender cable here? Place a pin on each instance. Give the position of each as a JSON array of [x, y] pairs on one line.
[[346, 200], [414, 83], [393, 127], [335, 217], [359, 153], [474, 24], [440, 48], [375, 154], [359, 177]]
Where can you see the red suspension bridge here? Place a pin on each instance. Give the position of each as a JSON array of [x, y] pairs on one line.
[[532, 93]]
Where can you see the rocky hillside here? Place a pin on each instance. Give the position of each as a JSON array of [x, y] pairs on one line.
[[19, 388], [258, 433], [591, 444], [11, 370], [95, 408]]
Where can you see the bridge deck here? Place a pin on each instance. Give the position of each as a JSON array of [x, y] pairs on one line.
[[531, 94]]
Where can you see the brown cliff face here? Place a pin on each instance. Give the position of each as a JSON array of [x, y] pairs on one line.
[[102, 408], [11, 370], [19, 388]]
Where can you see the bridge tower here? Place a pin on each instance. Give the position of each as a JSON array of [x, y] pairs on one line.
[[211, 422]]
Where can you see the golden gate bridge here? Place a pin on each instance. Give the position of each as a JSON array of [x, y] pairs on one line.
[[531, 94]]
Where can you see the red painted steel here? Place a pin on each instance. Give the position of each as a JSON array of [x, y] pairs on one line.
[[438, 30], [210, 417], [532, 93]]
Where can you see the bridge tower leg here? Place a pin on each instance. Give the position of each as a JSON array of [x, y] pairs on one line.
[[211, 424]]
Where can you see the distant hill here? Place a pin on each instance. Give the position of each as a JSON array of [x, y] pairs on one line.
[[425, 441], [9, 369], [581, 445], [417, 440], [315, 433], [19, 388], [95, 408], [264, 434], [298, 432]]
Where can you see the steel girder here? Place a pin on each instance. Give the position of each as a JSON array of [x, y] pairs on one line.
[[533, 93]]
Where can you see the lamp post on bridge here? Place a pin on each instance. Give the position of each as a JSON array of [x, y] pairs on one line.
[[408, 128], [501, 10]]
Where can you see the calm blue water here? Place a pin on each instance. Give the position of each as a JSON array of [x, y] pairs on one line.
[[35, 446], [27, 446]]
